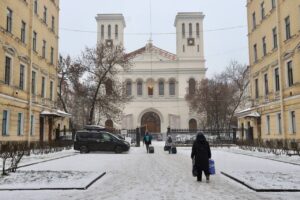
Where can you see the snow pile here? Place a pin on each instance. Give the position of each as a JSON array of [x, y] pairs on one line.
[[47, 179]]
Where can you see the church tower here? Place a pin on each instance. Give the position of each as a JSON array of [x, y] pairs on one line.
[[189, 35], [110, 29]]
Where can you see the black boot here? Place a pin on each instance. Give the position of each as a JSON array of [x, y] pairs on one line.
[[199, 178], [207, 179]]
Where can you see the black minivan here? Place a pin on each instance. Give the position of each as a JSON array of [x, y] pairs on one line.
[[99, 140]]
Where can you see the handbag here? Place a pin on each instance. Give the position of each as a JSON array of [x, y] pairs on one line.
[[194, 169]]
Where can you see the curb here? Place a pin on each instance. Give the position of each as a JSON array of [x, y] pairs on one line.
[[67, 188], [259, 190]]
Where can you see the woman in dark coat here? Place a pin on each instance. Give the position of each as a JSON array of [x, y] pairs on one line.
[[201, 153]]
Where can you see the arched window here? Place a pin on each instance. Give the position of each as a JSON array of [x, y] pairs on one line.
[[192, 86], [193, 124], [128, 88], [108, 87], [116, 31], [102, 31], [172, 87], [161, 88], [150, 86], [183, 30], [190, 30], [109, 124], [139, 86], [109, 32], [197, 30]]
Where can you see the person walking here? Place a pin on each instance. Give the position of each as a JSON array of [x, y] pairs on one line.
[[147, 140], [201, 153]]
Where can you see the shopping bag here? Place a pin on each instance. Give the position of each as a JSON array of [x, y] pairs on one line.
[[212, 170], [194, 169]]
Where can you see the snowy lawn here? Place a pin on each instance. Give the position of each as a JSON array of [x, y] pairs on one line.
[[47, 179]]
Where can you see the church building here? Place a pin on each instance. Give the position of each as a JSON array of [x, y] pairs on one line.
[[160, 80]]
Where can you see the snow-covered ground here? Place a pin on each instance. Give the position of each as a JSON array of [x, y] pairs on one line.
[[160, 176]]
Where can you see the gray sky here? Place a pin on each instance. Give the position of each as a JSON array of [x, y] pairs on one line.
[[220, 46]]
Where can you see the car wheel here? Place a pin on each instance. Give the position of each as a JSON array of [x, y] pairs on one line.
[[118, 149], [84, 149]]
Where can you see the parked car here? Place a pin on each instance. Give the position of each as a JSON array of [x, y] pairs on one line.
[[97, 140]]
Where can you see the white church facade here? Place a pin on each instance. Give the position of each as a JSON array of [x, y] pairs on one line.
[[159, 80]]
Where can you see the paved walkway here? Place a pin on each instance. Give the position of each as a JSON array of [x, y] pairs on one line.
[[158, 176]]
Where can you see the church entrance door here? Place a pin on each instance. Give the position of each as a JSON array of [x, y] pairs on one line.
[[151, 121]]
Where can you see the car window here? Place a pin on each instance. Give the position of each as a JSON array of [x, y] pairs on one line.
[[106, 137], [83, 135], [97, 136]]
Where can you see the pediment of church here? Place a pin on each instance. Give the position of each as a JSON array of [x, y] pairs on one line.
[[152, 53]]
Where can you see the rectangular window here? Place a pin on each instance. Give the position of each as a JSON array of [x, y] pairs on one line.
[[255, 52], [279, 123], [53, 23], [34, 41], [161, 90], [277, 84], [43, 87], [253, 20], [23, 32], [266, 84], [293, 122], [8, 69], [35, 6], [183, 30], [256, 89], [33, 83], [45, 14], [190, 30], [32, 125], [264, 46], [290, 73], [22, 77], [262, 10], [9, 18], [268, 124], [273, 2], [51, 90], [5, 122], [20, 124], [102, 31], [197, 30], [52, 56], [44, 49], [139, 88], [172, 88], [116, 31], [275, 44], [109, 31], [287, 27]]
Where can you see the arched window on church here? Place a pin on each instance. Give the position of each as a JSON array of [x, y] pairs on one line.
[[139, 88], [190, 30], [128, 88], [197, 30], [161, 88], [102, 31], [116, 31], [172, 87], [183, 30], [193, 124], [192, 86], [109, 31], [108, 87]]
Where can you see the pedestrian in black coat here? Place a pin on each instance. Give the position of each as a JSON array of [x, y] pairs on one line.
[[201, 153]]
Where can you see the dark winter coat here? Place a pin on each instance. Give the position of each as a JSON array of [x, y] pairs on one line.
[[201, 153]]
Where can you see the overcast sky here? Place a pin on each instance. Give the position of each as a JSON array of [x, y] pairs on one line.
[[225, 26]]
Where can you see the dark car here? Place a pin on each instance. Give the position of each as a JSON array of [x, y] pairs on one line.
[[91, 140]]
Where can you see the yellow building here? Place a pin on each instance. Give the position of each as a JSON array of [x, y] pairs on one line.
[[274, 53], [28, 75]]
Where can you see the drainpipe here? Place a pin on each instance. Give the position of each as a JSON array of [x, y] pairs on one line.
[[30, 51], [280, 65]]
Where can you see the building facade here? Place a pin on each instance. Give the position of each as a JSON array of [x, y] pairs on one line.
[[28, 75], [274, 53], [159, 80]]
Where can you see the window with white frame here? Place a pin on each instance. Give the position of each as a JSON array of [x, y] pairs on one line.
[[8, 70], [139, 88], [43, 89], [266, 84], [287, 27], [116, 31], [256, 89], [290, 73], [262, 10], [255, 52], [34, 41], [172, 87], [277, 83], [102, 31], [35, 7], [44, 49], [268, 124], [190, 30], [279, 126], [9, 19], [161, 88], [53, 23], [20, 129], [45, 14], [183, 30], [293, 122], [32, 121], [128, 88], [264, 45], [23, 32], [253, 20], [22, 77], [275, 43], [109, 31], [273, 2], [5, 122], [52, 55], [197, 30]]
